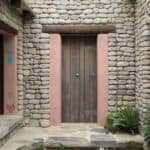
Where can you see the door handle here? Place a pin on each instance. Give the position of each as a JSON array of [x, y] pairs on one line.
[[77, 74]]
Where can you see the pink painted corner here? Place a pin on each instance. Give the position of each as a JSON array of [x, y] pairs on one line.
[[10, 74], [102, 77], [55, 79]]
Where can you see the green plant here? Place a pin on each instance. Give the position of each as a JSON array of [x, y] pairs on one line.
[[126, 120], [147, 128], [133, 1], [41, 147], [129, 120], [110, 124]]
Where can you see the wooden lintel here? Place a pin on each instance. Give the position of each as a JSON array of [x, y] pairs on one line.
[[79, 29], [7, 28]]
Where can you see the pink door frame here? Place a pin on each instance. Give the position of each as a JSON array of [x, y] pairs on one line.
[[55, 78], [10, 73]]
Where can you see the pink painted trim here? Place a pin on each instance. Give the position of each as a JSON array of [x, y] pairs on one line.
[[5, 33], [102, 78], [10, 75], [55, 79]]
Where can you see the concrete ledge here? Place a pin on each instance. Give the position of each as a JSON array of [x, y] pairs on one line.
[[127, 140], [73, 136], [8, 124]]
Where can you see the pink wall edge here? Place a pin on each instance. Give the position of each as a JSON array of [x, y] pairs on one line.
[[55, 79], [102, 78], [10, 76]]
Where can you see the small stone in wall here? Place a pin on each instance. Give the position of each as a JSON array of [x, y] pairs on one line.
[[44, 123], [34, 123]]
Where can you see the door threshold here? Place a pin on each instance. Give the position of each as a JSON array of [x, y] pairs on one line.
[[82, 125]]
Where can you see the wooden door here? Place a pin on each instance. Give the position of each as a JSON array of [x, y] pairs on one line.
[[1, 76], [79, 93]]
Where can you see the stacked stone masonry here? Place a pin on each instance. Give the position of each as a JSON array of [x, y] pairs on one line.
[[36, 50], [129, 51], [142, 51]]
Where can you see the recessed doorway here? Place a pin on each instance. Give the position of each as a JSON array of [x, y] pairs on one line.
[[57, 77], [79, 79]]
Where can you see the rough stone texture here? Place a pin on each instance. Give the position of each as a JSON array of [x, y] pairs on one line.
[[129, 55], [72, 136], [8, 125], [13, 19], [36, 49], [142, 50]]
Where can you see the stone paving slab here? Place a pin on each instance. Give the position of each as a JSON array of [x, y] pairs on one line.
[[8, 124], [81, 135], [98, 130], [104, 140], [10, 121], [126, 140], [3, 131], [67, 142]]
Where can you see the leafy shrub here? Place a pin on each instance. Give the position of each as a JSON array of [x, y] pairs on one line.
[[126, 120], [129, 120], [110, 124], [41, 147], [147, 128]]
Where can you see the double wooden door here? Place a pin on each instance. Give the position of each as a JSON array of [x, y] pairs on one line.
[[79, 92]]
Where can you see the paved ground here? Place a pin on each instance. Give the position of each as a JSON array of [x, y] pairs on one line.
[[8, 125], [74, 134]]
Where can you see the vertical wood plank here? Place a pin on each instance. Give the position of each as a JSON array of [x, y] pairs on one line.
[[66, 80], [82, 92], [75, 78]]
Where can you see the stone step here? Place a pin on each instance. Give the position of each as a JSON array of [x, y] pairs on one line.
[[9, 124]]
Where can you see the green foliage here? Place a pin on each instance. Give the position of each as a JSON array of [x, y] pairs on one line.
[[61, 147], [126, 120], [110, 124], [147, 128], [132, 1], [41, 147], [129, 120]]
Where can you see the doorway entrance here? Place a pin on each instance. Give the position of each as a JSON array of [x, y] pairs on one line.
[[79, 79], [58, 77], [1, 74]]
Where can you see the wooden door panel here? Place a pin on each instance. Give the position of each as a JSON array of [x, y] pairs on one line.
[[90, 80], [82, 78], [79, 79], [66, 89], [75, 82]]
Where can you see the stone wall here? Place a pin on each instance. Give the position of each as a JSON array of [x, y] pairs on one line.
[[36, 50], [129, 51], [13, 19], [142, 48]]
